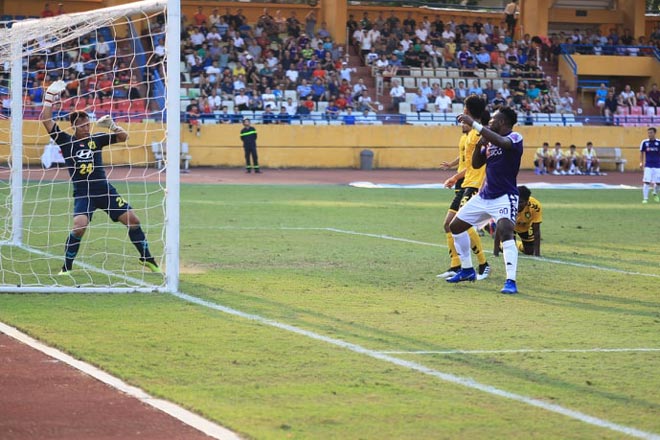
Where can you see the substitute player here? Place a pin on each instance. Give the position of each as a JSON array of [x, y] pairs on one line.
[[649, 161], [91, 190], [500, 149]]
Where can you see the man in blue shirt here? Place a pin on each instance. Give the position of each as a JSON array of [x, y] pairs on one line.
[[500, 149]]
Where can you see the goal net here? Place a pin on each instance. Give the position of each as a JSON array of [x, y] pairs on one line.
[[114, 62]]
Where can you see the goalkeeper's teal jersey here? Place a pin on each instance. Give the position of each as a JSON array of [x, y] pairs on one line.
[[84, 160]]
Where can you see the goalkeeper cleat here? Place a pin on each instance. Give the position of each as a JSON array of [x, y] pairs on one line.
[[151, 264], [449, 272], [463, 275], [484, 271], [510, 287], [64, 272]]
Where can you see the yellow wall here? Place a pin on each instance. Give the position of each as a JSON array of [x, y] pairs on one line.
[[612, 65], [394, 146]]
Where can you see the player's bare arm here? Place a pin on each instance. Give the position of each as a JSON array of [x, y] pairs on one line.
[[479, 157], [447, 165], [536, 230], [487, 133]]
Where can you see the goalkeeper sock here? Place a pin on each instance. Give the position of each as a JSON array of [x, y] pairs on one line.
[[140, 242], [477, 247], [71, 250]]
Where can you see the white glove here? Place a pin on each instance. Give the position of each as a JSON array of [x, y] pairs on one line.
[[106, 122], [53, 92]]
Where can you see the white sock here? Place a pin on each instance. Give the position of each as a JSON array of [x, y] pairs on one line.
[[510, 251], [645, 191], [462, 243]]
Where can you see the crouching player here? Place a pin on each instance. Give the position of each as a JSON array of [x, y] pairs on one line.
[[528, 225]]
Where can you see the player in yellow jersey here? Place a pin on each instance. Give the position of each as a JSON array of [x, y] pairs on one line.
[[528, 224], [471, 182], [542, 159]]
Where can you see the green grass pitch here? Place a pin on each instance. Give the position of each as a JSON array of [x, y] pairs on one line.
[[359, 266]]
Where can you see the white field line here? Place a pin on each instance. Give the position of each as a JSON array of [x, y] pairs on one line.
[[189, 418], [531, 350], [425, 243], [414, 366]]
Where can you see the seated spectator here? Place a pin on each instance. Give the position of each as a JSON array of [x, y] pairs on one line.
[[475, 89], [420, 102], [642, 98], [290, 106], [349, 117], [283, 117], [319, 91], [426, 90], [268, 117], [460, 93], [308, 104], [443, 103], [566, 103], [241, 101], [225, 117], [532, 92], [627, 98], [364, 103], [483, 59], [304, 89], [547, 104], [332, 111], [654, 97], [341, 102], [600, 96], [268, 98], [610, 108]]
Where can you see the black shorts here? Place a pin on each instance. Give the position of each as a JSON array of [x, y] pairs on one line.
[[468, 193], [458, 196], [111, 202]]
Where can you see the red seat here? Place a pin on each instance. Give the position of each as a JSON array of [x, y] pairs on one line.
[[637, 111]]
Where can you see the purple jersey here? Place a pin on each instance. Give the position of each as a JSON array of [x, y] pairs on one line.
[[502, 168], [652, 152]]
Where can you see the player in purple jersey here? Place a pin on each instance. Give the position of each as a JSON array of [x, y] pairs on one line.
[[500, 149], [649, 161], [91, 189]]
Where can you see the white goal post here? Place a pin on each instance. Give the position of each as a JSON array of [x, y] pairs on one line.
[[108, 59]]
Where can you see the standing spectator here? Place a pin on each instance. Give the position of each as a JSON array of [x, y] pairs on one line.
[[649, 162], [46, 12], [397, 93], [510, 12], [199, 18], [249, 138], [310, 23], [611, 107], [601, 95], [60, 9]]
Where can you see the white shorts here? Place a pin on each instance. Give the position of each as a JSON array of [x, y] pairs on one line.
[[651, 175], [478, 210]]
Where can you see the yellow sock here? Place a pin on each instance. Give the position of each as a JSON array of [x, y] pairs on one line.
[[477, 247], [453, 255]]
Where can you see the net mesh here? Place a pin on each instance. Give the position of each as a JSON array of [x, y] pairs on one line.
[[113, 61]]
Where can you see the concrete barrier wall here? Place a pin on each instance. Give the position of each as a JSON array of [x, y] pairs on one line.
[[394, 146]]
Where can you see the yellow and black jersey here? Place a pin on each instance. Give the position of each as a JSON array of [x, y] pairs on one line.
[[532, 213], [462, 145], [474, 177]]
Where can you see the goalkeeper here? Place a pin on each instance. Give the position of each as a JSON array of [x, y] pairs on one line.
[[91, 190]]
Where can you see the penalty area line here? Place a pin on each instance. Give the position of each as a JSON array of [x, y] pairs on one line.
[[414, 366], [187, 417], [530, 350]]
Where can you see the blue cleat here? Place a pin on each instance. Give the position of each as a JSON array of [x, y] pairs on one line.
[[463, 275], [509, 287]]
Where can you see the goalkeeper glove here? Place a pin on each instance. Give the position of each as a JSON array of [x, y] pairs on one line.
[[53, 92], [107, 122]]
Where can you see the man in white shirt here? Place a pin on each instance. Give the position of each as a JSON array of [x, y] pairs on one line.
[[291, 106], [397, 93], [268, 98], [213, 35], [443, 103], [292, 74], [102, 48], [197, 38]]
